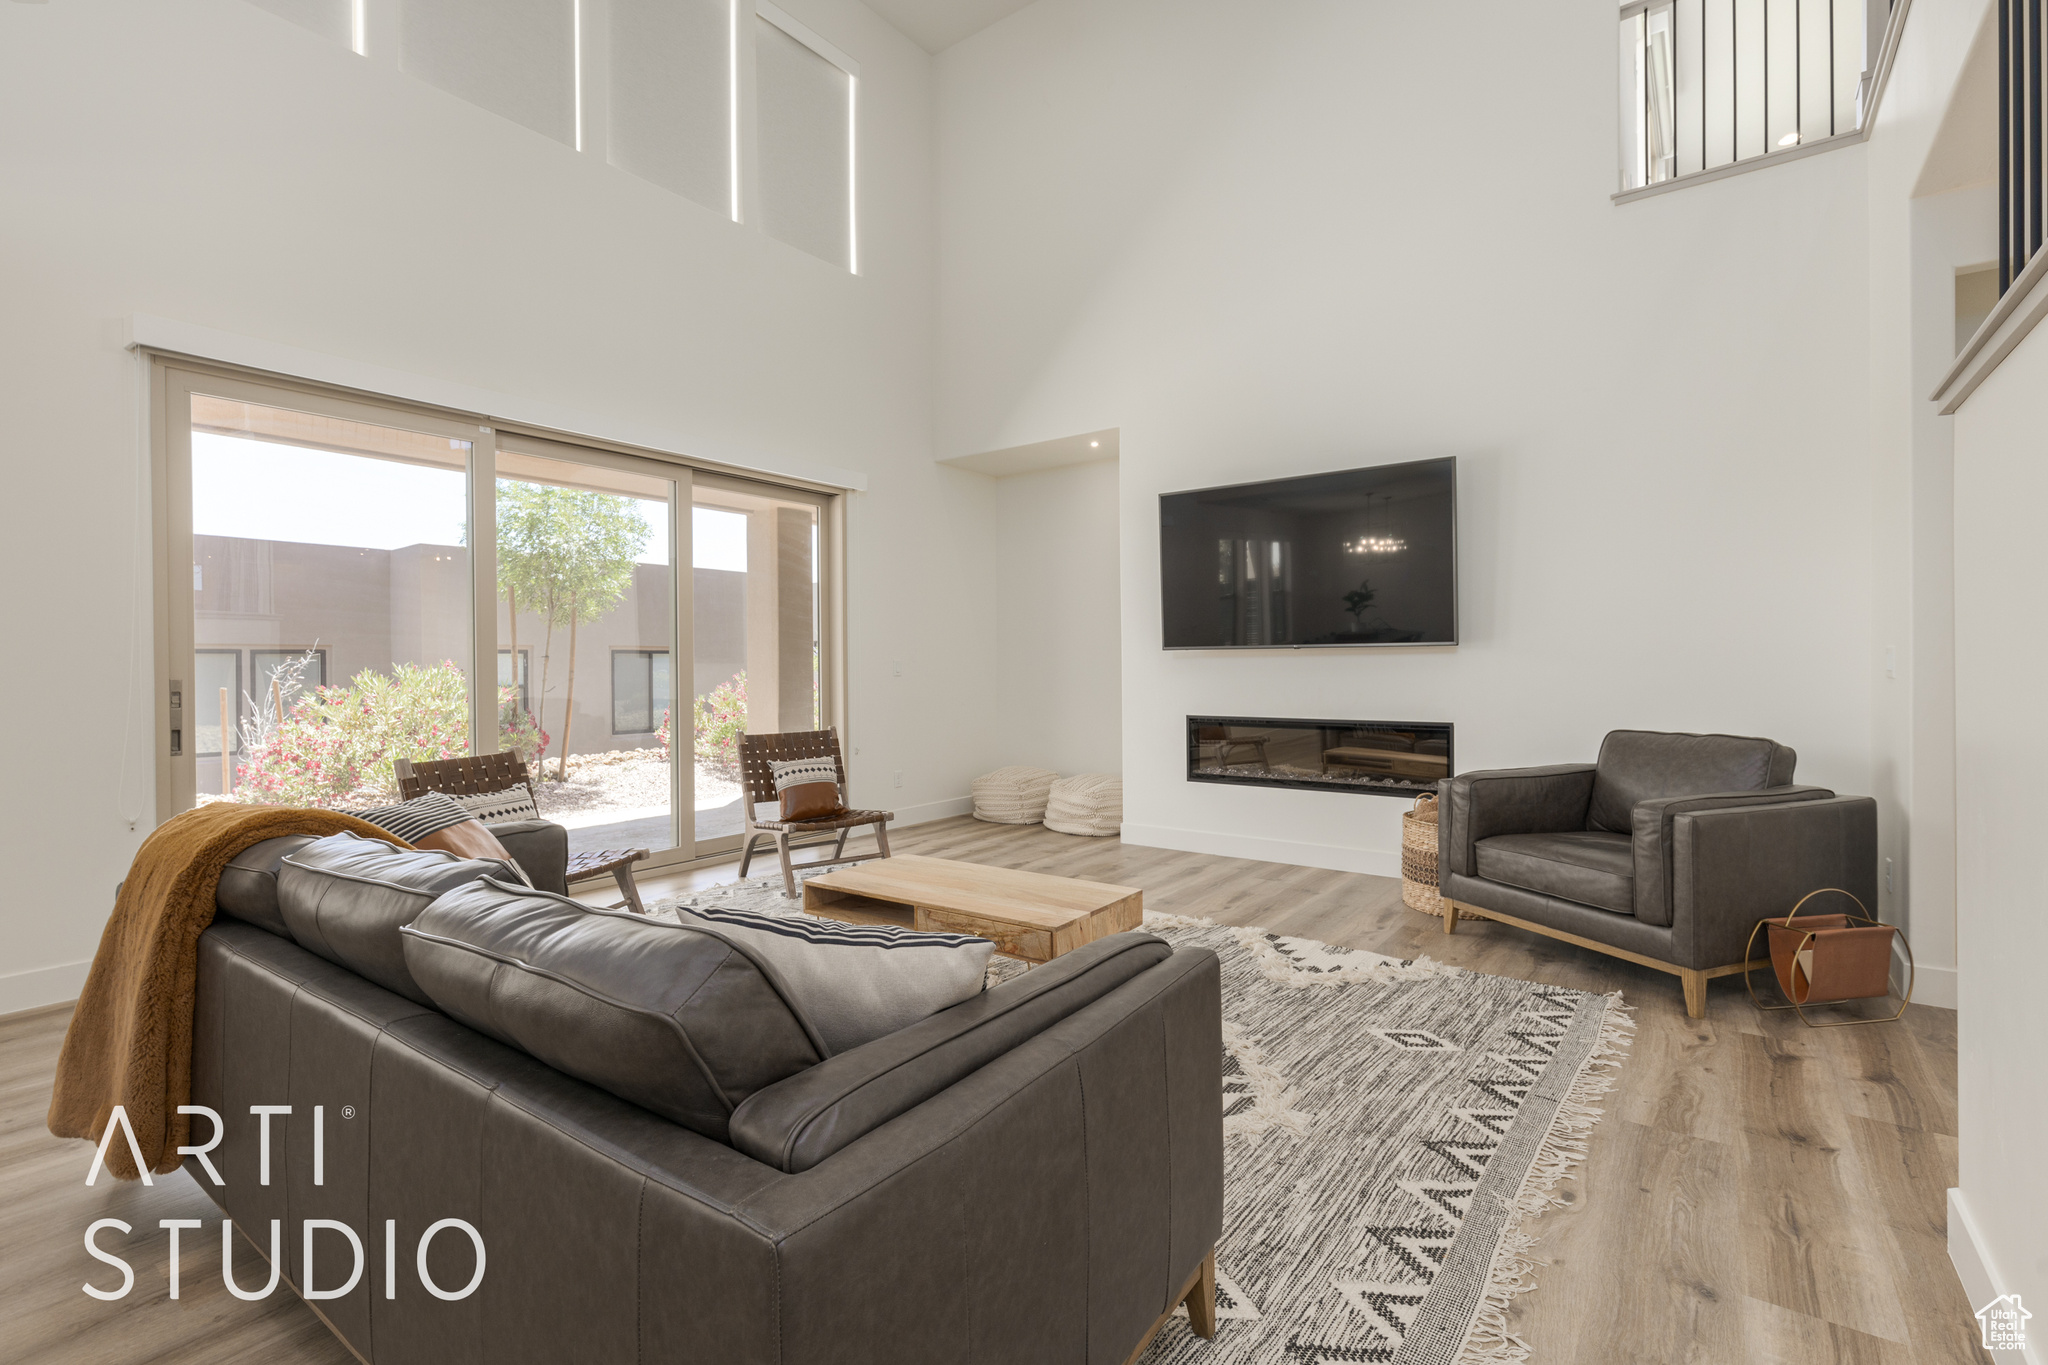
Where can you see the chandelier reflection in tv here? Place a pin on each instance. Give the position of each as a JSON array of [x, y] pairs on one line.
[[1356, 557]]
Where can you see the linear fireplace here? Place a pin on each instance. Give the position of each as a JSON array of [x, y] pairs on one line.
[[1382, 758]]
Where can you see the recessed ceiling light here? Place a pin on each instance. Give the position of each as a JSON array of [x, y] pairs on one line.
[[1788, 140], [1094, 444]]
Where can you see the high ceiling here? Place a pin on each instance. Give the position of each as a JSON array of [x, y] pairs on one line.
[[936, 25]]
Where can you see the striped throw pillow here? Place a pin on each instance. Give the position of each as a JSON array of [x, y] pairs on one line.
[[414, 820], [514, 803]]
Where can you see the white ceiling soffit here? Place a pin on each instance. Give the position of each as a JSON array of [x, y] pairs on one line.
[[936, 25], [1086, 448]]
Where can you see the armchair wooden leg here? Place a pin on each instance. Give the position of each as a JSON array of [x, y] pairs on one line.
[[882, 836], [1450, 916], [747, 852], [1695, 992], [839, 849], [1201, 1299], [788, 870]]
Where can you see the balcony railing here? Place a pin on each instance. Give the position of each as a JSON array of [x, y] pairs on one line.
[[2021, 50], [1708, 84]]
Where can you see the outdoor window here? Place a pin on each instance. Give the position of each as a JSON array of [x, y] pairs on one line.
[[640, 696], [408, 547]]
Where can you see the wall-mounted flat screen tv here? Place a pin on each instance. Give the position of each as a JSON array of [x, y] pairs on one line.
[[1358, 557]]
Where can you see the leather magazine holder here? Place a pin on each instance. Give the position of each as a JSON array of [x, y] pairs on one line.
[[1829, 959]]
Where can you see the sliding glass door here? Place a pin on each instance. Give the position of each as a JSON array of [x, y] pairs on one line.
[[586, 615], [346, 584], [756, 665], [329, 624]]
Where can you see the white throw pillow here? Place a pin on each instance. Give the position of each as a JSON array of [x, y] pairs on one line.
[[796, 772], [514, 803], [854, 982]]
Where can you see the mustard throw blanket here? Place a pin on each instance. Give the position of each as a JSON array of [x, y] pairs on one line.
[[130, 1040]]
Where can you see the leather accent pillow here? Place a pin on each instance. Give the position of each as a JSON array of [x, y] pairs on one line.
[[344, 898], [856, 982], [470, 839], [808, 788], [678, 1019]]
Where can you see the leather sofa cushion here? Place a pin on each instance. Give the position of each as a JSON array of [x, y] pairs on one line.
[[799, 1122], [679, 1019], [1587, 866], [1640, 765], [345, 898], [248, 884]]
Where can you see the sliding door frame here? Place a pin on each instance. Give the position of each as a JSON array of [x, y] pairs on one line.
[[172, 386], [174, 378]]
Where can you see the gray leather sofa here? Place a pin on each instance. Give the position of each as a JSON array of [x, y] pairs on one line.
[[1666, 851], [1032, 1176]]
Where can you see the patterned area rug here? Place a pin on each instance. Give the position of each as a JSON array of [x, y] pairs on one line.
[[1388, 1127]]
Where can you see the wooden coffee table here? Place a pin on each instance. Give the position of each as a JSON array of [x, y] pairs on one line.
[[1026, 915]]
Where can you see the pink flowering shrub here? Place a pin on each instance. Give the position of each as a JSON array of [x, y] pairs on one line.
[[336, 745], [720, 717], [518, 731]]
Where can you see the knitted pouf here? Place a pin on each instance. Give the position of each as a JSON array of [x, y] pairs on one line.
[[1091, 804], [1013, 796]]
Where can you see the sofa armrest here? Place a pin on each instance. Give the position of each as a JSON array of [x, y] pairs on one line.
[[1651, 827], [1734, 865], [541, 848], [1479, 805], [1108, 1130]]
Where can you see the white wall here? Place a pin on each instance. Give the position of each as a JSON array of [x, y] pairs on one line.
[[2001, 635], [211, 163], [1059, 629], [1917, 240], [1266, 240]]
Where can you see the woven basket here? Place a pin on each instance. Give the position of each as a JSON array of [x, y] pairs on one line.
[[1418, 860]]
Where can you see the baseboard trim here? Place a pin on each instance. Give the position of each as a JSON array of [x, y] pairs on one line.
[[1375, 862], [1934, 986], [933, 810], [41, 987], [1978, 1272]]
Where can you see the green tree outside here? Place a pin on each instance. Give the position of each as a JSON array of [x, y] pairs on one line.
[[567, 556]]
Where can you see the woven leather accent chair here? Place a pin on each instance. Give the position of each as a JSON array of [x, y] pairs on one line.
[[540, 847], [757, 781]]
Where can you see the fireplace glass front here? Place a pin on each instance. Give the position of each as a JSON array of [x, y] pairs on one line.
[[1384, 758]]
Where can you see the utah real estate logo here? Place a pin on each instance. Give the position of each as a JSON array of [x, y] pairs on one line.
[[2004, 1321]]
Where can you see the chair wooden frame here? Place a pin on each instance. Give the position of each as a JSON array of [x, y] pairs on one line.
[[479, 774], [757, 787]]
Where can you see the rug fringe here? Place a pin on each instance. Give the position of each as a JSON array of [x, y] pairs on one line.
[[1272, 1098], [1513, 1271]]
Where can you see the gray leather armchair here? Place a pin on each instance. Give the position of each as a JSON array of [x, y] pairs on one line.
[[1666, 851]]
